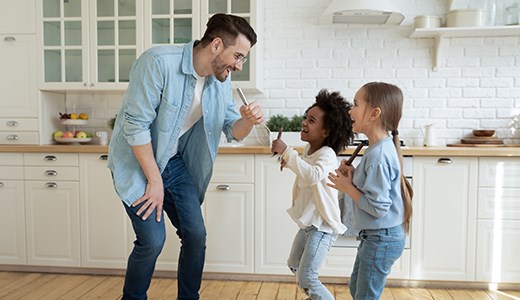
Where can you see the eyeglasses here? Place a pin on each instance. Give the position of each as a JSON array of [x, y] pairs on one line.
[[239, 57]]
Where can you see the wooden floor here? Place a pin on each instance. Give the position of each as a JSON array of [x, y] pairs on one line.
[[19, 285]]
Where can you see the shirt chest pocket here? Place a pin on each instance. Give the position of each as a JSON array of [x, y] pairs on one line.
[[167, 115]]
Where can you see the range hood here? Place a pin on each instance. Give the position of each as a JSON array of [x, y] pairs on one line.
[[361, 12]]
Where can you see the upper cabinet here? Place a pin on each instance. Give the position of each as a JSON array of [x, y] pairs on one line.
[[91, 44], [88, 44], [17, 16]]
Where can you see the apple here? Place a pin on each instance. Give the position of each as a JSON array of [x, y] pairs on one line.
[[57, 134], [68, 134], [81, 135]]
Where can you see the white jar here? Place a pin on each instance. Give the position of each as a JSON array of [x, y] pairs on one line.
[[427, 21], [466, 18]]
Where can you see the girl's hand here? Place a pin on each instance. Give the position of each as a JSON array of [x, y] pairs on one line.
[[341, 181], [278, 146], [343, 167]]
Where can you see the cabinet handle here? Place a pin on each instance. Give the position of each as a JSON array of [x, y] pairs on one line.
[[50, 158], [9, 39], [51, 173], [12, 123], [1, 184], [12, 137], [51, 185], [223, 187], [444, 160], [103, 157]]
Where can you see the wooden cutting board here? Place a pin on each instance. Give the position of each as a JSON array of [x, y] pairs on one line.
[[482, 140]]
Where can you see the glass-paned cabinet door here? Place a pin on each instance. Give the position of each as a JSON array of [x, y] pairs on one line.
[[64, 34], [171, 22], [250, 75], [116, 37]]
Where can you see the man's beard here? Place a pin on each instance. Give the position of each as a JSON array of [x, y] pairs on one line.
[[220, 69]]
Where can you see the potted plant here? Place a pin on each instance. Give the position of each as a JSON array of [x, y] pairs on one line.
[[291, 128]]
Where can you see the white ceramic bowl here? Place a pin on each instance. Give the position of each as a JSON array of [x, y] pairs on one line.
[[466, 18], [427, 21]]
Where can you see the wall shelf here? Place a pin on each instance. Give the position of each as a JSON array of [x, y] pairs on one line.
[[449, 32]]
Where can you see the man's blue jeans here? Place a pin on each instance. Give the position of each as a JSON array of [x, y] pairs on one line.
[[182, 205], [309, 249], [377, 252]]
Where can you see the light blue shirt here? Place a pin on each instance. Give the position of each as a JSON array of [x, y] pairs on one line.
[[378, 177], [154, 109]]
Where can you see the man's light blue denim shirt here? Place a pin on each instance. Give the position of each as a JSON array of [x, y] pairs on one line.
[[155, 106]]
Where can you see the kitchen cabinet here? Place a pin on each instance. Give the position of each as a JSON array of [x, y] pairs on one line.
[[498, 224], [88, 44], [18, 16], [12, 214], [106, 231], [52, 209], [444, 218], [439, 34], [18, 89], [275, 230], [178, 22]]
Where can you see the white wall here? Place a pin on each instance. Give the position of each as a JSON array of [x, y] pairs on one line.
[[477, 84]]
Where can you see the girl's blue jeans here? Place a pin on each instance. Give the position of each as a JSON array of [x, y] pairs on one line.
[[377, 252], [181, 204], [309, 249]]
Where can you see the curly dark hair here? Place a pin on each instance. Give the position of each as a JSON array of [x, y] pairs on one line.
[[336, 119]]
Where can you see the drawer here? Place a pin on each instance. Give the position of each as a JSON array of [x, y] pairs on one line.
[[499, 203], [499, 172], [51, 159], [18, 124], [19, 137], [11, 159], [11, 172], [233, 168], [52, 173]]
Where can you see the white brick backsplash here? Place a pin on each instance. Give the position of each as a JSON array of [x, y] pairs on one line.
[[476, 84]]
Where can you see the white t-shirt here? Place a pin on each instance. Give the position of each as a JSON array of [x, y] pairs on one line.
[[195, 112], [314, 202]]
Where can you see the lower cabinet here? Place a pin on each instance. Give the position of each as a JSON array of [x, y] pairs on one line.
[[275, 230], [106, 231], [12, 212], [52, 209], [498, 220], [444, 218]]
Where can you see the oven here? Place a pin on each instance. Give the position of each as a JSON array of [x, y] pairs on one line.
[[350, 238]]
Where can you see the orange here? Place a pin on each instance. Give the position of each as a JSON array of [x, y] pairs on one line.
[[83, 116], [73, 116]]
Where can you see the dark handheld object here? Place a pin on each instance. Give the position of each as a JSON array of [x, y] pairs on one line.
[[354, 154]]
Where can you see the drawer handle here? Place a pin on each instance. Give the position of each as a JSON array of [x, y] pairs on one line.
[[51, 185], [444, 160], [223, 187], [12, 137], [50, 158], [51, 173], [1, 184], [103, 157], [12, 123], [10, 39]]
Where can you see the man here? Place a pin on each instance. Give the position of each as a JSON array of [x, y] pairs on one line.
[[165, 142]]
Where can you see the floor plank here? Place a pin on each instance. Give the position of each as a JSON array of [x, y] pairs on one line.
[[268, 291], [230, 290], [287, 291], [211, 289], [420, 294], [440, 294], [85, 287], [29, 288], [342, 292], [250, 290]]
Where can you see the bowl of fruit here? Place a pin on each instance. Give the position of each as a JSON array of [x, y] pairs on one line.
[[68, 137], [73, 118]]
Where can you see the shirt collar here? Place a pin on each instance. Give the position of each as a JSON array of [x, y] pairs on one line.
[[187, 62]]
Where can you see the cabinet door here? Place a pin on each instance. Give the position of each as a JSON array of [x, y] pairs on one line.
[[498, 242], [105, 227], [63, 30], [17, 16], [274, 230], [18, 88], [116, 38], [12, 222], [250, 78], [52, 216], [444, 218], [170, 22], [228, 215]]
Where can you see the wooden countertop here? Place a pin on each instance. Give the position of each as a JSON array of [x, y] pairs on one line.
[[411, 151]]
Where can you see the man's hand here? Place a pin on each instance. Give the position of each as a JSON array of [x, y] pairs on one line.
[[153, 199], [253, 113]]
